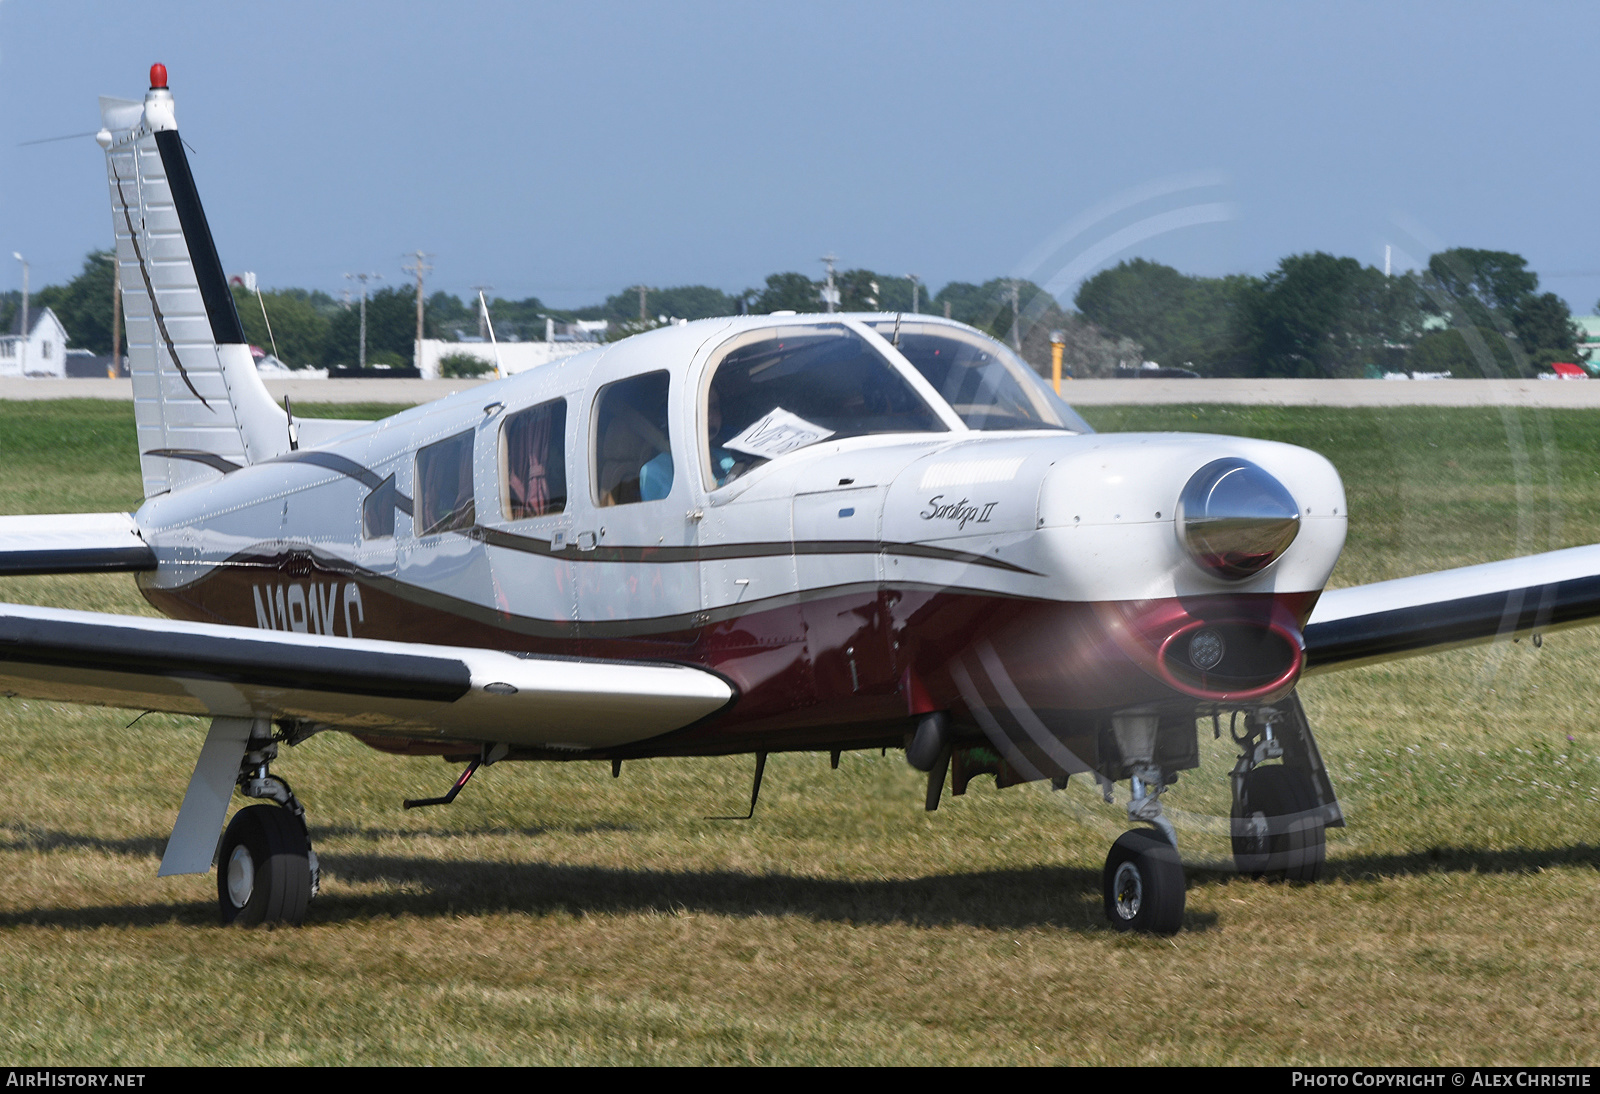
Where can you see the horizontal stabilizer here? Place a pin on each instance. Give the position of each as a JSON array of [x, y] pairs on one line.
[[1430, 612], [73, 543], [375, 687]]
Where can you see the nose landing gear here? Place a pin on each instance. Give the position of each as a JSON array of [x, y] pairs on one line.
[[1283, 802], [1143, 883], [1143, 879]]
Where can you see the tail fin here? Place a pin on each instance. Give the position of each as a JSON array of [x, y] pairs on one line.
[[201, 407]]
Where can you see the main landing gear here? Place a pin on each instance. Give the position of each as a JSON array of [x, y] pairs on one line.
[[1279, 818], [266, 870]]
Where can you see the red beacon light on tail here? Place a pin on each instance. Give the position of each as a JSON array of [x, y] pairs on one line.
[[158, 77]]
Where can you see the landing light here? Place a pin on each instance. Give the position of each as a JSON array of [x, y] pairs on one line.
[[1206, 649]]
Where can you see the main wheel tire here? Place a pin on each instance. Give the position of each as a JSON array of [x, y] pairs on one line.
[[263, 868], [1143, 882], [1278, 831]]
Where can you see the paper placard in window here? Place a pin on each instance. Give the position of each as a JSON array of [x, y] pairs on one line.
[[777, 432]]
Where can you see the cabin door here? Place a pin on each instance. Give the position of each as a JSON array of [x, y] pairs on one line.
[[633, 538]]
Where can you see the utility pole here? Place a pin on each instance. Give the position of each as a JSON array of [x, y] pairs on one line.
[[418, 267], [18, 256], [916, 288], [643, 290], [364, 278], [830, 294], [116, 317]]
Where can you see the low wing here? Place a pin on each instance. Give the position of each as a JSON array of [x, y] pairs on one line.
[[369, 686], [73, 543], [1430, 612]]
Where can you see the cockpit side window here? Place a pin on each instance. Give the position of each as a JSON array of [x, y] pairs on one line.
[[985, 383], [780, 389], [444, 486], [533, 461], [632, 445]]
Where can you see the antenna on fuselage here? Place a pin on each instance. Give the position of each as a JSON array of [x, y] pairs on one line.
[[483, 306], [294, 427], [755, 789]]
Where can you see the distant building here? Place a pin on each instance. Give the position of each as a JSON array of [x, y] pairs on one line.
[[39, 351], [85, 364], [580, 330], [1589, 339], [513, 357]]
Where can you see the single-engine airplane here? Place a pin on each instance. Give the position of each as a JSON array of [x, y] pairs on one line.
[[739, 535]]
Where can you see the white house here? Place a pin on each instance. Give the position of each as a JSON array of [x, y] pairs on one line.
[[43, 352]]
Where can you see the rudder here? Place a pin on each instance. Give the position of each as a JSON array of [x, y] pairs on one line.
[[200, 405]]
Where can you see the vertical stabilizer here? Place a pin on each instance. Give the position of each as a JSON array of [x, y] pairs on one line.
[[198, 401]]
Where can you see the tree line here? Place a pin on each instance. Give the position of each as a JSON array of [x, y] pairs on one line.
[[1471, 312]]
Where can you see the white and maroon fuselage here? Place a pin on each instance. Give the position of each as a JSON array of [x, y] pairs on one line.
[[1030, 582]]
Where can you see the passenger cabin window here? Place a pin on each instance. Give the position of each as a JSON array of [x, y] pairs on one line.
[[632, 448], [444, 485], [985, 383], [781, 389], [533, 462], [377, 511]]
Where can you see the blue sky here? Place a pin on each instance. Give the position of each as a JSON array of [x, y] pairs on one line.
[[567, 151]]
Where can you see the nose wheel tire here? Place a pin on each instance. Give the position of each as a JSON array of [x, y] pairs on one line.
[[1143, 881], [1278, 830], [263, 868]]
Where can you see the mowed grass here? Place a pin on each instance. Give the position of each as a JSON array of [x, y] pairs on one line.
[[555, 915]]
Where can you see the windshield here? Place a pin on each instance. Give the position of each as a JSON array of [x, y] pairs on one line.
[[986, 384], [780, 389]]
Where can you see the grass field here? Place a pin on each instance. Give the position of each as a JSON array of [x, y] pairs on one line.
[[553, 915]]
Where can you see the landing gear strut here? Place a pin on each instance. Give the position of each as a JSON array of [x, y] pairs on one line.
[[1143, 879], [1278, 822], [266, 870]]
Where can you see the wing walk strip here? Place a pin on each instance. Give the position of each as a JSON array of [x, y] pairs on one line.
[[90, 560], [460, 693], [1434, 611], [84, 640], [73, 543]]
